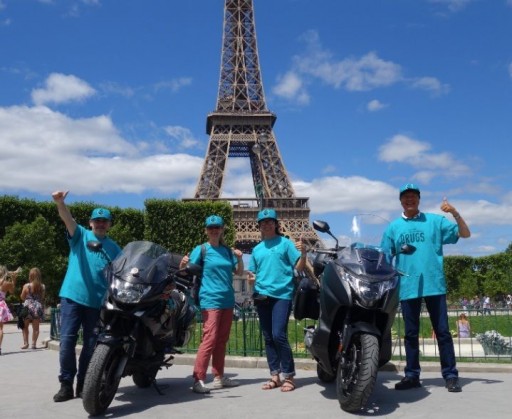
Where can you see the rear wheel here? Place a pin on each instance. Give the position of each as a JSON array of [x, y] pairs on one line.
[[357, 372], [102, 379]]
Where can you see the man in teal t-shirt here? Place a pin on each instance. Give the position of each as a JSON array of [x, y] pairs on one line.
[[82, 293], [424, 279]]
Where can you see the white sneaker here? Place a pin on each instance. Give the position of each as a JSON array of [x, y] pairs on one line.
[[224, 382], [200, 388]]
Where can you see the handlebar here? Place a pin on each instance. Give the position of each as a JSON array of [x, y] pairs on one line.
[[325, 251]]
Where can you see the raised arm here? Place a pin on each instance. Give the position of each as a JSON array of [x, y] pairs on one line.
[[64, 213]]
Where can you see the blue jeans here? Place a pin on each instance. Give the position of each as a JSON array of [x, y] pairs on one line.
[[274, 316], [74, 315], [438, 312]]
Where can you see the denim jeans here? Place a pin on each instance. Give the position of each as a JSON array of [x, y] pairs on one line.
[[437, 309], [274, 315], [74, 315]]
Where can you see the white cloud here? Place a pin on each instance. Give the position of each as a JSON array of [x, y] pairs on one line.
[[352, 194], [430, 84], [174, 85], [183, 136], [415, 153], [84, 155], [375, 105], [453, 5], [354, 74], [291, 87], [61, 88]]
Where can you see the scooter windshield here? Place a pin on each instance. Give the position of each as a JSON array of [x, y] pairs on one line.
[[362, 256], [142, 262], [367, 260]]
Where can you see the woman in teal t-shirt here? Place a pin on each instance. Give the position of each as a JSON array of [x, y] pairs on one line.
[[217, 300], [273, 261]]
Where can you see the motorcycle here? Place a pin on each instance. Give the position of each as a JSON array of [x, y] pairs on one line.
[[355, 304], [146, 317]]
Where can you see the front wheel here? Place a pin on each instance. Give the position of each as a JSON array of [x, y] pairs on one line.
[[357, 372], [102, 378]]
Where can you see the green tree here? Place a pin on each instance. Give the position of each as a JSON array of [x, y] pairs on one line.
[[32, 244]]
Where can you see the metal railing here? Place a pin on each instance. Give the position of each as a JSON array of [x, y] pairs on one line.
[[246, 338]]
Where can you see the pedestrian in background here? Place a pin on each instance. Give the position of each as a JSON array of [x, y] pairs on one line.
[[217, 301], [486, 305], [463, 326], [7, 285], [424, 280], [32, 296], [82, 293], [272, 266]]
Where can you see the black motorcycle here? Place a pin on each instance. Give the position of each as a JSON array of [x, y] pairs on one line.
[[355, 305], [146, 317]]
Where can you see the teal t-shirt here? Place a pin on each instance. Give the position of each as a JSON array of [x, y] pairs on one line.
[[273, 262], [216, 290], [84, 282], [424, 273]]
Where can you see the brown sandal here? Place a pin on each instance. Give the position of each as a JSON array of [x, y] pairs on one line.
[[288, 385], [271, 384], [25, 346]]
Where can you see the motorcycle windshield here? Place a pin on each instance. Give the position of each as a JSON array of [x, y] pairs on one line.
[[142, 262], [367, 260]]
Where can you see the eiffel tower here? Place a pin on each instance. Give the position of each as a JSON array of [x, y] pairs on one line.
[[241, 126]]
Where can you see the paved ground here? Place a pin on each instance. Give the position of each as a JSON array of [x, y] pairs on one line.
[[29, 380]]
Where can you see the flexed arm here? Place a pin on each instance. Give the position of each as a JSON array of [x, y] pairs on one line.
[[463, 227]]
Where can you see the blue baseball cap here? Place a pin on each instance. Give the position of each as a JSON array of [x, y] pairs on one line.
[[101, 213], [409, 187], [214, 221], [267, 213]]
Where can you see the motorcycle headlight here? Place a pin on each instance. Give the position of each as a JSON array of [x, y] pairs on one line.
[[369, 293], [126, 292]]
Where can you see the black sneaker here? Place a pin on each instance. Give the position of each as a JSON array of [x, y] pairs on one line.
[[65, 393], [453, 386], [408, 383], [79, 389]]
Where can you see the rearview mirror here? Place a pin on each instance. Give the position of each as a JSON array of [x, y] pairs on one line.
[[94, 245], [407, 249], [321, 226]]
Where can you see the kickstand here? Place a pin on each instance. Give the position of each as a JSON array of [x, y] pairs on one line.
[[157, 388]]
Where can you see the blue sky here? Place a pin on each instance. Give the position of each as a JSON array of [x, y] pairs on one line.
[[108, 99]]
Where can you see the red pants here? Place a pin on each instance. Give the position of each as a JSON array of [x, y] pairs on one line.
[[216, 328]]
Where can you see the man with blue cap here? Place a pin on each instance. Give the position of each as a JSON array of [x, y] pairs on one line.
[[424, 280], [272, 266], [82, 293]]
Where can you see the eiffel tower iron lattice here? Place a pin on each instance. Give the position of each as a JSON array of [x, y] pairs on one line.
[[242, 126]]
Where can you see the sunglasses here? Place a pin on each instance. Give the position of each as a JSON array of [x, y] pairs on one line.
[[213, 227]]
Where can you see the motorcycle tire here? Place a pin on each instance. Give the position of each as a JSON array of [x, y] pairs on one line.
[[324, 376], [143, 380], [357, 372], [102, 379]]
